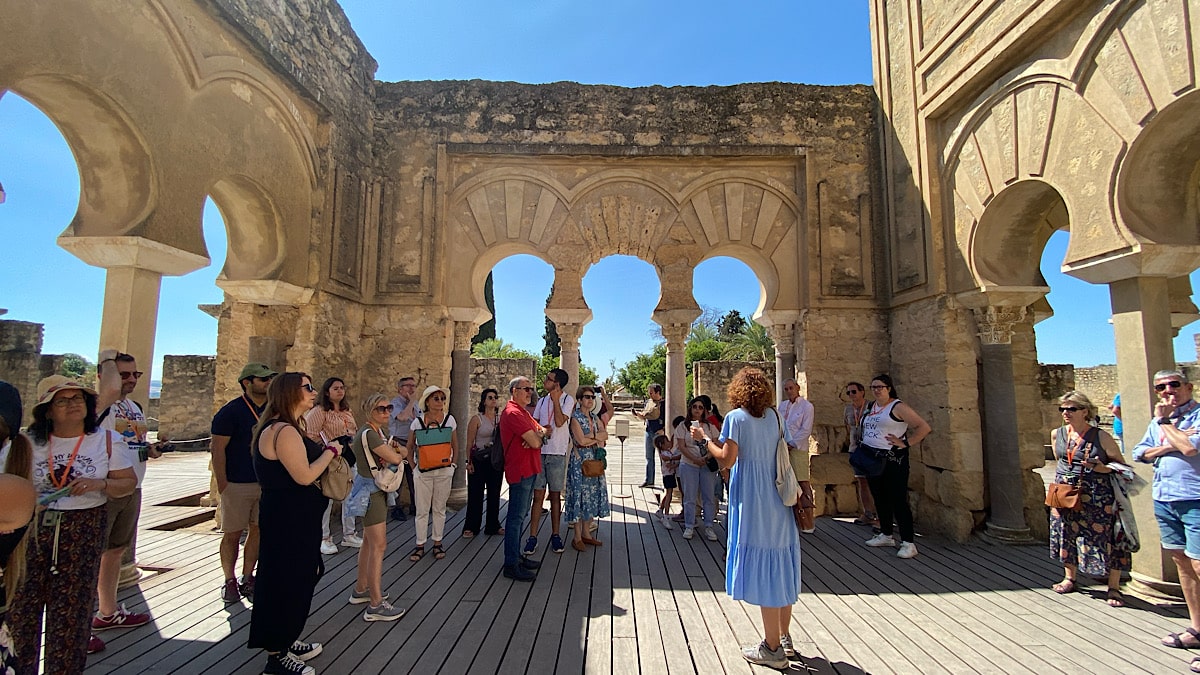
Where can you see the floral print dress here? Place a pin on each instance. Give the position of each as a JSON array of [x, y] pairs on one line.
[[1088, 537], [587, 498]]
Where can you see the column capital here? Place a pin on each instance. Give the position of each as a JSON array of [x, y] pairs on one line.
[[676, 334], [568, 336], [995, 323], [464, 332], [132, 251], [784, 337], [568, 315]]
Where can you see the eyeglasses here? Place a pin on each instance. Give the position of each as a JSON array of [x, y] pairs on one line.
[[1162, 386], [699, 407], [491, 397], [135, 374], [262, 379], [308, 387], [591, 397], [879, 386], [1069, 409], [528, 389], [437, 397], [68, 400], [384, 408]]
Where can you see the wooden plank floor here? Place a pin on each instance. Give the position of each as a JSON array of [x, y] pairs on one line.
[[647, 601]]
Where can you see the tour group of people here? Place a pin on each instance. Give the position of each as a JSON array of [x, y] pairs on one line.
[[70, 493]]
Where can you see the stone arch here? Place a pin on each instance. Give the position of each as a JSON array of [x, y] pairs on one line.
[[768, 280], [486, 261], [1007, 244], [1159, 185], [116, 175], [253, 224]]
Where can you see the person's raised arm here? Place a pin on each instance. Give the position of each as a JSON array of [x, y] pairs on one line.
[[607, 413], [289, 448], [108, 388]]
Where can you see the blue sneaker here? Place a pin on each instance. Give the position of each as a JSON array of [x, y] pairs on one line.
[[556, 544], [530, 546]]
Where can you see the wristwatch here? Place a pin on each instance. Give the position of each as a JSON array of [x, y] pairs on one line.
[[1164, 421]]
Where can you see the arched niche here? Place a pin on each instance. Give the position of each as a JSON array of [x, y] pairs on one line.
[[1159, 185], [256, 243], [1007, 245]]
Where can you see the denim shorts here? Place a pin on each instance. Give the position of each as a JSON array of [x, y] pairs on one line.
[[1179, 526], [553, 475]]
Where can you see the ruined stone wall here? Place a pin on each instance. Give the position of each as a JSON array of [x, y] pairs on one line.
[[20, 357], [1099, 383], [712, 378], [840, 346], [496, 374], [185, 405]]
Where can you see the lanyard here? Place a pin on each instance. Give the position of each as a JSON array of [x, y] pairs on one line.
[[66, 474], [251, 407]]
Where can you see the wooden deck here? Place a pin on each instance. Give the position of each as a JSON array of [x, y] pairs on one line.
[[648, 601]]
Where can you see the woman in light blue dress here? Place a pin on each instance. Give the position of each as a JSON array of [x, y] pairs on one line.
[[762, 563], [587, 498]]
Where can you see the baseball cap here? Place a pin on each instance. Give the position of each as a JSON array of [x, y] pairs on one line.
[[256, 370]]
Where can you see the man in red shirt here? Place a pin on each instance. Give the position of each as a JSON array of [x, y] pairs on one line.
[[522, 438]]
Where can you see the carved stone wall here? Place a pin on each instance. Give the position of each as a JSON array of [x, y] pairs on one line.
[[496, 374], [20, 356], [712, 378]]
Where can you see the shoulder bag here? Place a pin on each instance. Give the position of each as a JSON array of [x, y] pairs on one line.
[[1064, 496], [386, 478], [335, 481], [433, 446], [785, 477], [593, 468]]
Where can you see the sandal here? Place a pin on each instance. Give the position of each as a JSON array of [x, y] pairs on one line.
[[593, 542], [1064, 586], [578, 545], [438, 552], [1175, 640], [867, 518], [1115, 599], [417, 554], [1195, 665], [467, 534]]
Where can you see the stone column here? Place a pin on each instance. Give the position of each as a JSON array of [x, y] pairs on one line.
[[467, 321], [676, 384], [784, 327], [569, 322], [1006, 519], [1142, 328]]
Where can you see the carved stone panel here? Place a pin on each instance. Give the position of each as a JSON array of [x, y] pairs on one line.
[[345, 246]]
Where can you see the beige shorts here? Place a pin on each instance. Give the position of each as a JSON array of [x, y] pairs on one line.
[[122, 519], [239, 506], [800, 460]]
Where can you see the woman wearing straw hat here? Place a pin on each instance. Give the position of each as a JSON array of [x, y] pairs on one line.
[[77, 466], [435, 445]]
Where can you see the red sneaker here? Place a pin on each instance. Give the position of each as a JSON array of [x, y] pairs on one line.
[[95, 644], [123, 618]]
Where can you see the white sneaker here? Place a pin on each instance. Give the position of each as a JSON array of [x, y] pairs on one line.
[[351, 541], [709, 534], [688, 533], [762, 656], [907, 550], [785, 643], [327, 547], [881, 539], [666, 521]]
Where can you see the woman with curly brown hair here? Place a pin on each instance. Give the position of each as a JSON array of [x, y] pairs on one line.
[[762, 560]]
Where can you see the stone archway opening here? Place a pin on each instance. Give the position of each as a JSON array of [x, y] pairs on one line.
[[722, 284], [521, 284], [622, 292]]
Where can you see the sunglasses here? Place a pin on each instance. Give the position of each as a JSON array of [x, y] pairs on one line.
[[136, 374], [529, 389], [308, 387], [384, 408], [590, 397], [1162, 386], [851, 392], [491, 397], [1069, 409]]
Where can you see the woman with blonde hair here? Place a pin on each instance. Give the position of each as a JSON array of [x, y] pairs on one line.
[[372, 446], [762, 560], [1087, 538]]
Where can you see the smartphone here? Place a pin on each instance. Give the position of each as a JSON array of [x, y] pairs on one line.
[[54, 496]]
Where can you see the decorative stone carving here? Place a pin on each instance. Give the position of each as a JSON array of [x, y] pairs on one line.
[[568, 336], [995, 323]]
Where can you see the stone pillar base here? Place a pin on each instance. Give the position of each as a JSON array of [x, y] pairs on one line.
[[1154, 588], [130, 575], [458, 499], [1007, 536]]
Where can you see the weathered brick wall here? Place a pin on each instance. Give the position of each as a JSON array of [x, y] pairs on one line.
[[184, 407], [712, 378], [20, 358], [1099, 383]]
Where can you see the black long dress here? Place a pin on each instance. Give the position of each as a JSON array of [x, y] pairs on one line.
[[289, 559]]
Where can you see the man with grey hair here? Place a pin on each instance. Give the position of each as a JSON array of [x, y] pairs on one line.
[[653, 415], [797, 413], [1171, 443], [522, 438]]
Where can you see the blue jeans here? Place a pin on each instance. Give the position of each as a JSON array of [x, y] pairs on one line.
[[697, 481], [651, 458], [520, 498]]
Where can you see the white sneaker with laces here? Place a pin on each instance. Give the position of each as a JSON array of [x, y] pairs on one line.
[[881, 540], [666, 521], [688, 533], [327, 547], [761, 655], [907, 550], [351, 541], [384, 612], [709, 534]]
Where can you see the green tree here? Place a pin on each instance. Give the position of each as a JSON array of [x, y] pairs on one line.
[[547, 363], [488, 330], [77, 367], [644, 370], [496, 348], [752, 344], [731, 324], [551, 335]]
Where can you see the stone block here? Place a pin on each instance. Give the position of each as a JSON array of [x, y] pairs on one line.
[[831, 469], [961, 489], [187, 392], [954, 523], [846, 499]]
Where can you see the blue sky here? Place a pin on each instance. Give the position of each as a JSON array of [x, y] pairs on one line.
[[621, 42]]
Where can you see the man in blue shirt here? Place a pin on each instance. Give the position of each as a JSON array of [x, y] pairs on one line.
[[1171, 443]]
